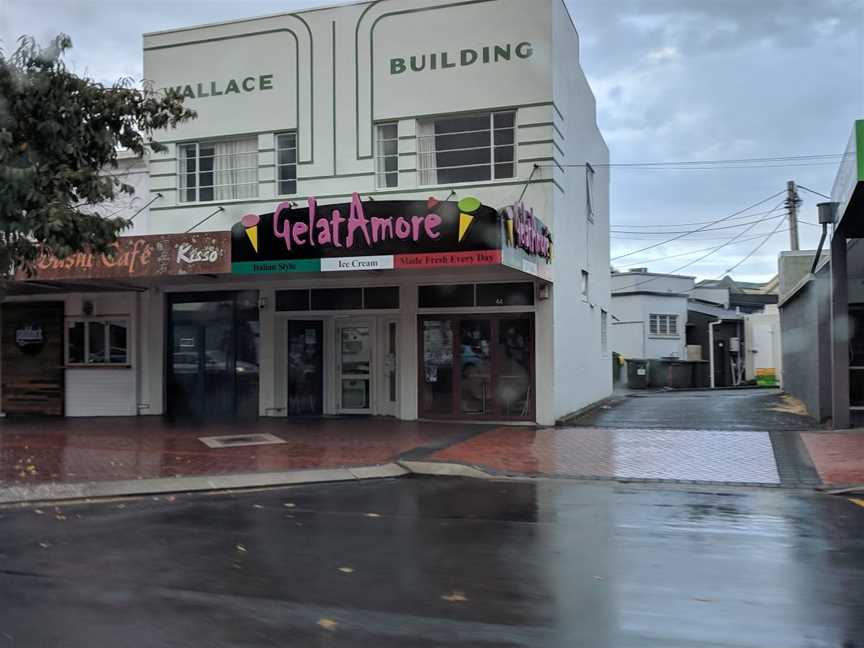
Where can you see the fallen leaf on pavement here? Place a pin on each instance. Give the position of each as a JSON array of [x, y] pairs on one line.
[[327, 624], [289, 505], [455, 597], [373, 515], [240, 548], [38, 511], [346, 570], [44, 545]]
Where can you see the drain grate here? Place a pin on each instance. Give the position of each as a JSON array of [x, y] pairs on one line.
[[236, 441]]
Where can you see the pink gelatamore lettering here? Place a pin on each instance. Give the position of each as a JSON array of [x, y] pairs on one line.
[[349, 232], [527, 229]]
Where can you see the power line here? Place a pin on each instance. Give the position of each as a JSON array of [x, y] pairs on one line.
[[689, 252], [800, 186], [629, 167], [721, 246], [754, 250], [688, 163], [719, 220], [767, 211], [631, 234], [707, 229]]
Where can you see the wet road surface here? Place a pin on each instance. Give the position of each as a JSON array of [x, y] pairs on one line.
[[443, 562]]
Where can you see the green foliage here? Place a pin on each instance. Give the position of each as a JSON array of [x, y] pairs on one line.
[[59, 140]]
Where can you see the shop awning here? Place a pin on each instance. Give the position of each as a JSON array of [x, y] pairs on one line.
[[848, 189]]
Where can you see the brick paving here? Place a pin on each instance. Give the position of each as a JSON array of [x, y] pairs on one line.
[[34, 451], [687, 455], [838, 456]]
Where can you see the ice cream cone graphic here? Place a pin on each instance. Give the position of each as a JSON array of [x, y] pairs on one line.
[[468, 208], [508, 224], [250, 223]]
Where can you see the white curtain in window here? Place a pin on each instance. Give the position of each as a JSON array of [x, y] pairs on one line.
[[427, 163], [236, 169]]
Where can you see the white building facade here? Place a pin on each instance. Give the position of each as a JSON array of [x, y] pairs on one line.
[[650, 314], [367, 217]]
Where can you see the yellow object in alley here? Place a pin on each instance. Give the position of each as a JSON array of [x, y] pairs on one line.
[[859, 502]]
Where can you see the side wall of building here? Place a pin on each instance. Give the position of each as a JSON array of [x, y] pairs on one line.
[[805, 329], [582, 372]]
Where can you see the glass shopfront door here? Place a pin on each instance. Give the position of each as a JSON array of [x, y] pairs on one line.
[[477, 367], [213, 354], [305, 368], [354, 354]]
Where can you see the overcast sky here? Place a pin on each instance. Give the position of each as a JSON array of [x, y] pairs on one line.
[[675, 80]]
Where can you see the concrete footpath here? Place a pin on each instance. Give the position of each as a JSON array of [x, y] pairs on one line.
[[765, 440]]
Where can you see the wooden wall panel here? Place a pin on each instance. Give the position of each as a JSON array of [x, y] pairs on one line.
[[32, 381]]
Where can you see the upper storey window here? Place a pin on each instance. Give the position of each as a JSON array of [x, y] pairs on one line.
[[466, 148], [286, 163], [221, 170], [387, 155]]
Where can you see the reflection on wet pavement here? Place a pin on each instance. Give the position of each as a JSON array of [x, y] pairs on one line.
[[692, 455], [46, 450]]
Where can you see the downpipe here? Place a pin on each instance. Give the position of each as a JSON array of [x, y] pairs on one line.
[[711, 348]]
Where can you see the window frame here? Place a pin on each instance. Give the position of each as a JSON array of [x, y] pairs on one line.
[[491, 165], [278, 166], [668, 328], [604, 331], [590, 174], [183, 173], [379, 156], [105, 321]]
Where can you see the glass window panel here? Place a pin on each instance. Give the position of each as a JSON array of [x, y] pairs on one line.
[[391, 357], [286, 163], [355, 393], [355, 350], [504, 171], [508, 294], [96, 342], [305, 367], [475, 358], [446, 296], [292, 300], [505, 119], [75, 342], [514, 379], [383, 297], [436, 389], [337, 299], [118, 336]]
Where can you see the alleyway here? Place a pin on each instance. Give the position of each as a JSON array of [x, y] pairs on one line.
[[747, 409], [443, 562], [726, 436]]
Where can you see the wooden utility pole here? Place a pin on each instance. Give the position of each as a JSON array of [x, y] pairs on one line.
[[792, 202]]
